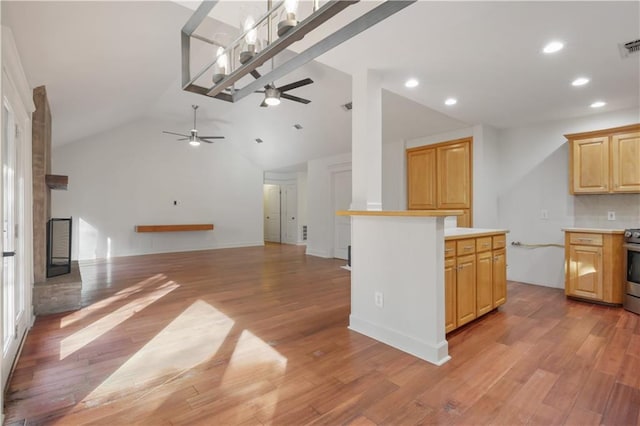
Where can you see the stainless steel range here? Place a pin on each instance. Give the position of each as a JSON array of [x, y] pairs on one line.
[[631, 300]]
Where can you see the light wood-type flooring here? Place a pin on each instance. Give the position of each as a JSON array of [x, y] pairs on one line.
[[259, 336]]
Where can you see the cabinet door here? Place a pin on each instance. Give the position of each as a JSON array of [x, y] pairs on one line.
[[466, 288], [484, 283], [590, 164], [625, 152], [454, 176], [464, 220], [449, 295], [421, 179], [499, 277], [585, 272]]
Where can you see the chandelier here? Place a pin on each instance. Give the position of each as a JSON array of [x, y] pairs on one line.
[[264, 37]]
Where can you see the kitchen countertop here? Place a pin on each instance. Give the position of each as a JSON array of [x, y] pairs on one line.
[[459, 233], [594, 230]]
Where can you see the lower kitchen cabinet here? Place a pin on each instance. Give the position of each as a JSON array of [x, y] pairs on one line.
[[450, 311], [484, 283], [499, 273], [475, 277], [594, 265], [466, 288]]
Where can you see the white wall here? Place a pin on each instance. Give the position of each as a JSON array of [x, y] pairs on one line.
[[320, 214], [533, 170], [131, 176], [302, 205]]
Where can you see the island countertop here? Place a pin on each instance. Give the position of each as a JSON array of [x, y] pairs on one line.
[[460, 233]]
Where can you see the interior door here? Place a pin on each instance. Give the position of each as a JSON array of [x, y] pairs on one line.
[[272, 213], [14, 320], [341, 224], [290, 214]]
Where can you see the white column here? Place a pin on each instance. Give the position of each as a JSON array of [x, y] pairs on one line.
[[366, 144]]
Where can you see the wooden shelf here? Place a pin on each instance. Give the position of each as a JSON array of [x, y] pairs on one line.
[[174, 228], [57, 181]]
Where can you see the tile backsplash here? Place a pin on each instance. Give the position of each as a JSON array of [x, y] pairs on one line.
[[590, 211]]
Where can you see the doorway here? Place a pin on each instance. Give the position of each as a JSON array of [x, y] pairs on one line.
[[341, 186], [280, 213]]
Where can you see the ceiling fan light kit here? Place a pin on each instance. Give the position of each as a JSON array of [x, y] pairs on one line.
[[192, 137], [272, 96], [245, 54]]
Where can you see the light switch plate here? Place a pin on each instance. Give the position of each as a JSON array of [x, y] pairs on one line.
[[611, 215]]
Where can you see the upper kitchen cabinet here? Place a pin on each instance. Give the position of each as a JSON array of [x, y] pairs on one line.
[[605, 161], [421, 177], [439, 177], [454, 175]]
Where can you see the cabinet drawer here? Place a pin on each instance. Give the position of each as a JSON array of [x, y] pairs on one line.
[[499, 241], [585, 239], [449, 248], [483, 244], [465, 246]]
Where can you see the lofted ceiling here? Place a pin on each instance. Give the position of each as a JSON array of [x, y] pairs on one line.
[[109, 63]]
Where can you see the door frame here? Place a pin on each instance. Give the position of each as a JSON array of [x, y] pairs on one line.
[[18, 94], [333, 170]]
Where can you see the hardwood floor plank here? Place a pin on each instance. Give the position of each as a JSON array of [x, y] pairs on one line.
[[623, 407], [259, 336]]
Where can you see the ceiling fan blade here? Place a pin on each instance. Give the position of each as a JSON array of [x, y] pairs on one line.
[[259, 91], [264, 104], [211, 137], [295, 85], [294, 98], [177, 134], [183, 139], [204, 140]]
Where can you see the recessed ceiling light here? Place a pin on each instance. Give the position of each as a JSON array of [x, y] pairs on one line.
[[598, 104], [553, 47], [580, 81], [451, 101], [411, 83], [258, 140]]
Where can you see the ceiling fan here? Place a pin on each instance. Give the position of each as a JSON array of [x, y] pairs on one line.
[[193, 138], [272, 94]]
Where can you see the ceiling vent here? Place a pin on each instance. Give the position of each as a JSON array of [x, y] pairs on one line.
[[348, 106], [628, 48]]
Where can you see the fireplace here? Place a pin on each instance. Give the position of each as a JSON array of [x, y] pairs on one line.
[[58, 246]]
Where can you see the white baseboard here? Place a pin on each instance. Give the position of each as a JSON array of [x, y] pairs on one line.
[[435, 353], [317, 253]]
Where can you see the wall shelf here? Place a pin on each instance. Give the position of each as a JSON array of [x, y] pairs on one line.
[[174, 228]]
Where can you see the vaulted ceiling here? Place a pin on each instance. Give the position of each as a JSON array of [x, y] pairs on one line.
[[109, 63]]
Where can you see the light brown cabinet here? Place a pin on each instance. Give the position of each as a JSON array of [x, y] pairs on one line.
[[450, 310], [421, 167], [475, 278], [453, 175], [439, 177], [605, 161], [594, 266]]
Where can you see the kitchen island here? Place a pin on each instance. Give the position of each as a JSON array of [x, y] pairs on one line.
[[398, 278]]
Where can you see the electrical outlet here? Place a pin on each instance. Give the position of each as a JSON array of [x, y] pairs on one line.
[[379, 299], [544, 214], [611, 215]]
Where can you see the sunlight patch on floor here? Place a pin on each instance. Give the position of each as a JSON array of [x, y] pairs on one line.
[[122, 294], [95, 330], [254, 360], [192, 338]]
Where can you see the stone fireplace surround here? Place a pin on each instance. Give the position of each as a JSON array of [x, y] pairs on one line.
[[61, 293]]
